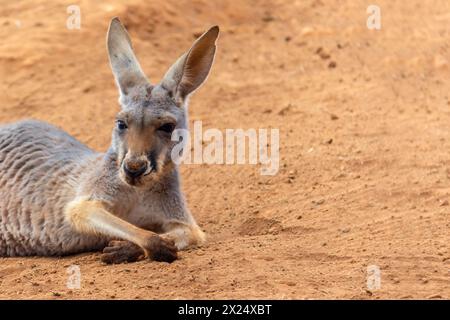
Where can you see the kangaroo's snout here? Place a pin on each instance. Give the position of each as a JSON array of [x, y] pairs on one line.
[[135, 168]]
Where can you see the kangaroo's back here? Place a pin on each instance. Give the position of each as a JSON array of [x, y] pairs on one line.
[[39, 166]]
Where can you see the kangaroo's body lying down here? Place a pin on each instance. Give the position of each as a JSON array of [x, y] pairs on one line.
[[59, 197]]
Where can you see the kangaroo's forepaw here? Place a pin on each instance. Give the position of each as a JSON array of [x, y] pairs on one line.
[[160, 249], [120, 251]]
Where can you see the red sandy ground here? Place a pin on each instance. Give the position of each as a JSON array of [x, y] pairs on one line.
[[365, 150]]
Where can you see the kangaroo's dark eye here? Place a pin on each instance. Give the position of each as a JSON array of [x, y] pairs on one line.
[[167, 127], [121, 125]]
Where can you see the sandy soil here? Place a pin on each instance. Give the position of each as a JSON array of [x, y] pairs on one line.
[[364, 119]]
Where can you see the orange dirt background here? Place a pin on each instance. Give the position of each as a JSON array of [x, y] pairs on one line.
[[365, 149]]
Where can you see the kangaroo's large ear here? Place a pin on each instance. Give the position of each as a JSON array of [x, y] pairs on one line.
[[125, 66], [192, 68]]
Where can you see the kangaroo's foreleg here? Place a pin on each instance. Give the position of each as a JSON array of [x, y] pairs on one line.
[[92, 217], [184, 234]]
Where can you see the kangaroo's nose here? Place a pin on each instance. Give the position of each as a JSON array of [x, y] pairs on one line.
[[134, 169]]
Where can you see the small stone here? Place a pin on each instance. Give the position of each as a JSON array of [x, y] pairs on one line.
[[324, 55], [285, 110], [440, 62], [268, 18], [318, 202], [290, 284], [292, 174], [307, 31]]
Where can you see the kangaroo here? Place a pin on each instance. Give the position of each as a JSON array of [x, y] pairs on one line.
[[58, 197]]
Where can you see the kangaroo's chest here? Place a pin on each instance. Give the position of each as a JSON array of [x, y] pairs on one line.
[[146, 211]]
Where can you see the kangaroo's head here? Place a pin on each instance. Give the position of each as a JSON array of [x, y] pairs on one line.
[[151, 112]]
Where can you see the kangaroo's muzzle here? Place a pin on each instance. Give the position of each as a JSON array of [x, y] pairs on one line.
[[135, 169]]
